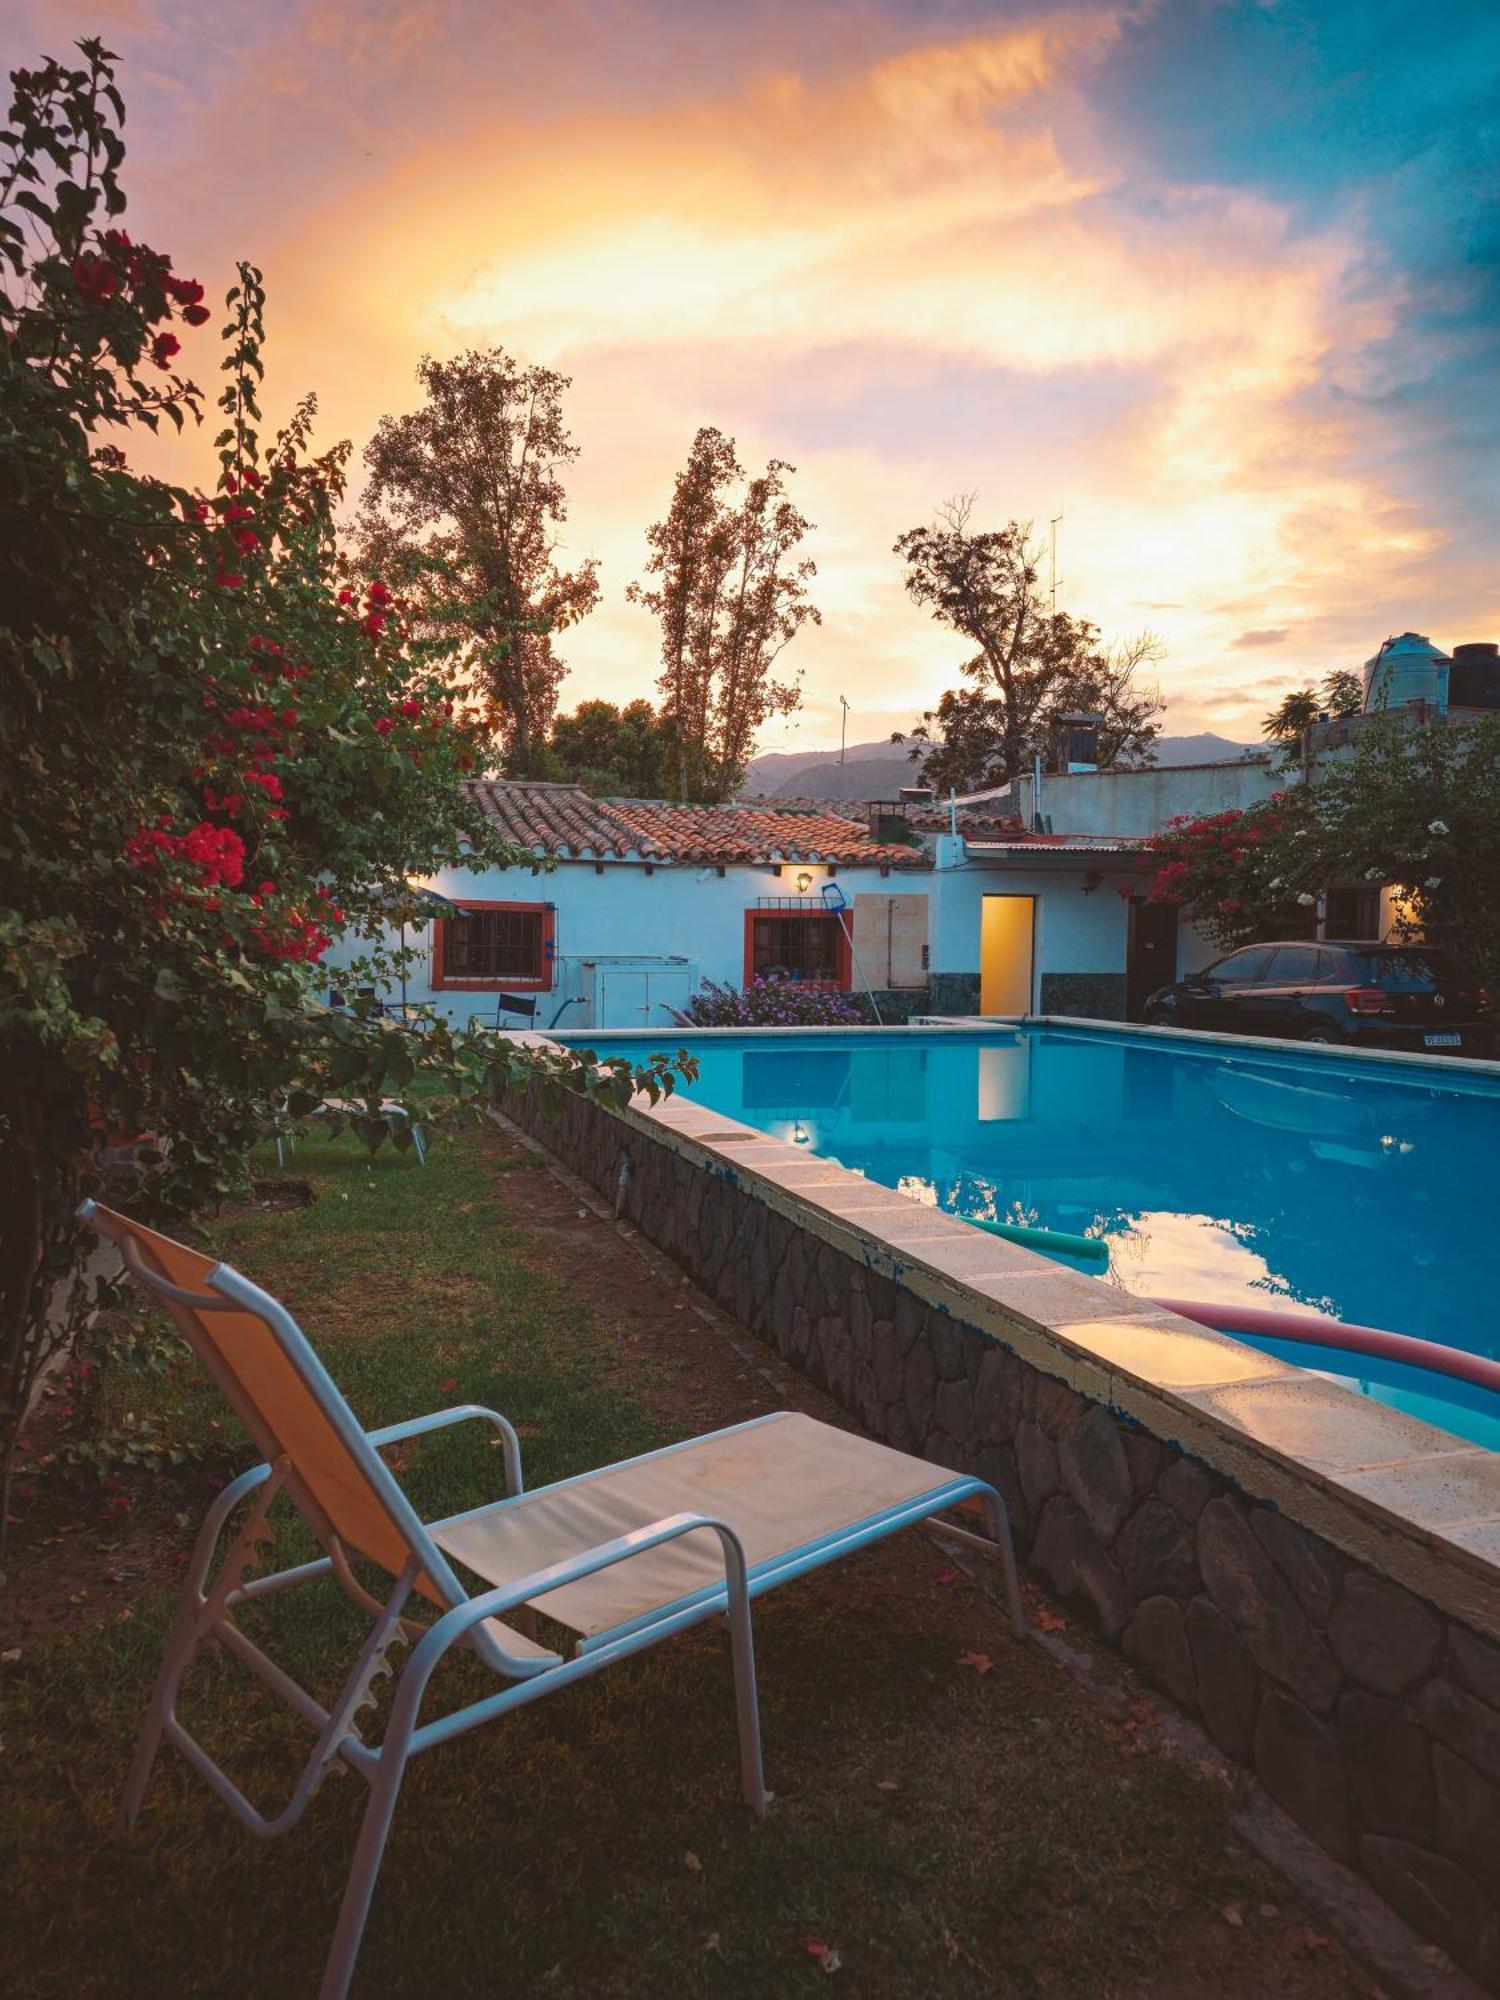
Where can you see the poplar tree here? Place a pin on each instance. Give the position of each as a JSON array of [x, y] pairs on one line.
[[730, 590], [462, 510]]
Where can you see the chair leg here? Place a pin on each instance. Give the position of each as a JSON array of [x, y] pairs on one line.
[[360, 1888], [177, 1659], [419, 1144], [182, 1643], [1000, 1531], [148, 1743], [747, 1705]]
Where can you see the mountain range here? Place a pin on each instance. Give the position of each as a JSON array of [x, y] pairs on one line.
[[879, 770]]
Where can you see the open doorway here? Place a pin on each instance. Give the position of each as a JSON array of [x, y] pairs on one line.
[[1007, 926], [1150, 953]]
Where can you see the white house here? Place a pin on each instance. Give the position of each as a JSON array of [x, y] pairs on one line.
[[638, 901], [1040, 897], [633, 903]]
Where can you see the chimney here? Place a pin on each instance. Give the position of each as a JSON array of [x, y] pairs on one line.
[[1076, 742], [888, 821]]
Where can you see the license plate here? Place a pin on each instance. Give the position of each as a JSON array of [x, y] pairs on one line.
[[1442, 1041]]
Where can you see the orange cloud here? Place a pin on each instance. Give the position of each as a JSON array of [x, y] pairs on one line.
[[902, 228]]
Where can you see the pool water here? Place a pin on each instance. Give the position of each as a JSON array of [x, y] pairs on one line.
[[1365, 1190]]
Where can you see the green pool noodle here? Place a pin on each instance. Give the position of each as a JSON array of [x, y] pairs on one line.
[[1062, 1241]]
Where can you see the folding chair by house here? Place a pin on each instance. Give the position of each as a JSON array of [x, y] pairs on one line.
[[351, 1108], [621, 1558]]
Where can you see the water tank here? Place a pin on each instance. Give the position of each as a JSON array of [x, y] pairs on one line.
[[1474, 677], [1408, 668]]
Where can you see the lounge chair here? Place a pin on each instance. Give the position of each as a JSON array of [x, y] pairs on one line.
[[622, 1557]]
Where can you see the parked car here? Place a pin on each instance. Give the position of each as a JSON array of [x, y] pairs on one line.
[[1383, 996]]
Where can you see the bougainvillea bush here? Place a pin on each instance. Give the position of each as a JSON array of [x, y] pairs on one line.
[[1411, 807], [773, 1003], [216, 758], [1241, 875]]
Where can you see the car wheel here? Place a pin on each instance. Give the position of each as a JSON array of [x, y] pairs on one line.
[[1153, 1017], [1325, 1035]]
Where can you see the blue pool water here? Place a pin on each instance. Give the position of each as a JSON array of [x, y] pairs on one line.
[[1365, 1190]]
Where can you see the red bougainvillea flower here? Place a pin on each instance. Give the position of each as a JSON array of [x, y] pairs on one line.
[[217, 852], [378, 594], [411, 707], [95, 277], [373, 623], [346, 596], [384, 724], [186, 291], [268, 781], [164, 347], [228, 582], [247, 541]]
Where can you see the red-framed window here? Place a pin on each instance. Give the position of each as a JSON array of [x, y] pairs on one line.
[[806, 947], [494, 947]]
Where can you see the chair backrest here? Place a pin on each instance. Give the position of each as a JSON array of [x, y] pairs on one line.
[[272, 1379]]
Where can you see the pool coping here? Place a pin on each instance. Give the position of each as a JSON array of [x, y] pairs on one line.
[[1414, 1501]]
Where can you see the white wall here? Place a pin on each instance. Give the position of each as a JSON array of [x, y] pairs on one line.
[[690, 912], [1074, 932], [1132, 804]]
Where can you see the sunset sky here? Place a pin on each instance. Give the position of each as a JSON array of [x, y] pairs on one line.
[[1218, 280]]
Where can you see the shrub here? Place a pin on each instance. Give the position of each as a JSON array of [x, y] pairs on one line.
[[216, 757], [772, 1003]]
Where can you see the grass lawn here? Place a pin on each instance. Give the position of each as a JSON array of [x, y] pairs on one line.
[[944, 1829]]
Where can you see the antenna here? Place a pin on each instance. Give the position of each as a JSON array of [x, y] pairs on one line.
[[1055, 519], [843, 726]]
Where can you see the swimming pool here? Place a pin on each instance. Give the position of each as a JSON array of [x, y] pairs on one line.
[[1366, 1190]]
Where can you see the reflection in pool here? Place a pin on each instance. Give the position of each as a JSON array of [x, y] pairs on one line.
[[1367, 1191]]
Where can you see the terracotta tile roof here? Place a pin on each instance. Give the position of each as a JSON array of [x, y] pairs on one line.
[[565, 820]]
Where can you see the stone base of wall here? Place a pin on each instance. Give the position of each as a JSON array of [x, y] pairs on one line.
[[952, 993], [1093, 996], [897, 1004], [1373, 1720]]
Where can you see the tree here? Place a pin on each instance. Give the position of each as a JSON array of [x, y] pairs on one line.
[[1031, 664], [1340, 693], [613, 752], [731, 594], [1418, 808], [462, 508], [214, 762], [1414, 809]]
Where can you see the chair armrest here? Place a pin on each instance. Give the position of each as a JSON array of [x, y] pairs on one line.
[[402, 1735], [573, 1569], [461, 1413]]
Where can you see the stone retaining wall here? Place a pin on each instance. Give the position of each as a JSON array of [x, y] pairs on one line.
[[1369, 1716]]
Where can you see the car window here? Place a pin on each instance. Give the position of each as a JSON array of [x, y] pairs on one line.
[[1402, 971], [1241, 968], [1295, 965]]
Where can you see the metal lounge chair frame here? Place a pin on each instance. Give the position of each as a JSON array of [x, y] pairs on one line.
[[210, 1596]]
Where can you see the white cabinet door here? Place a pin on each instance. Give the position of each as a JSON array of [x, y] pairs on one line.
[[624, 997]]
